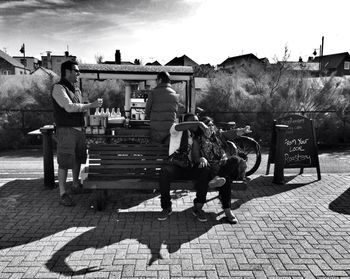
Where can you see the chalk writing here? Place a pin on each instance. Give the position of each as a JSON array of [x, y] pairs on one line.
[[297, 159]]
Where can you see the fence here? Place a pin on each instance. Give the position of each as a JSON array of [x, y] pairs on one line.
[[332, 127]]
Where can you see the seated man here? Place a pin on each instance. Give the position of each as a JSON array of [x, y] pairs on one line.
[[224, 165], [184, 132]]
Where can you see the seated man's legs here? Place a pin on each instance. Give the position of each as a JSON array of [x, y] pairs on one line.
[[233, 169], [167, 175], [202, 177]]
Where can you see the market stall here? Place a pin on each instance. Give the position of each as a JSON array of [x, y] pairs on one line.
[[130, 123], [121, 155]]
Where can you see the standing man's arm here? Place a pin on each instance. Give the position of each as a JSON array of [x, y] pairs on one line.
[[63, 100]]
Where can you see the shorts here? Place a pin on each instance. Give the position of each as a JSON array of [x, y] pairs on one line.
[[71, 147]]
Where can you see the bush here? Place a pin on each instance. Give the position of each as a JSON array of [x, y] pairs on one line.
[[272, 93], [30, 94]]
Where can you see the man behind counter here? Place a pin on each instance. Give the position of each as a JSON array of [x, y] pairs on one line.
[[161, 108], [69, 119]]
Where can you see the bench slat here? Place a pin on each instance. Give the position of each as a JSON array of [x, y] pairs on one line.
[[137, 147], [96, 157], [136, 163], [97, 168]]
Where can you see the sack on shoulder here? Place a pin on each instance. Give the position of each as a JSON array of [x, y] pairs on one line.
[[179, 159]]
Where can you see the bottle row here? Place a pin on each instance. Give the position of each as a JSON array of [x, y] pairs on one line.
[[108, 113]]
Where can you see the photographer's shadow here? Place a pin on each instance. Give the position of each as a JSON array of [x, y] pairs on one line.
[[35, 213], [342, 203], [172, 233]]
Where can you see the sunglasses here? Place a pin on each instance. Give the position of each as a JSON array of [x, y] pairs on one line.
[[77, 71]]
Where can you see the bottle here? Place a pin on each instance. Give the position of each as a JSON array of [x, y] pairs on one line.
[[97, 111], [118, 113], [108, 113], [113, 115]]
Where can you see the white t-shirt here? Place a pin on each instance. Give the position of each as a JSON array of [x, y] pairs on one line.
[[175, 139]]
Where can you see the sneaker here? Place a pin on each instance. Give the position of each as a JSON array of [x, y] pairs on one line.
[[66, 200], [231, 218], [165, 214], [217, 181], [199, 213]]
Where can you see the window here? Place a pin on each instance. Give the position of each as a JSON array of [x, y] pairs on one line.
[[347, 65], [6, 72]]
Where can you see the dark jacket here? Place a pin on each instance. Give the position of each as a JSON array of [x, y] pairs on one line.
[[161, 109]]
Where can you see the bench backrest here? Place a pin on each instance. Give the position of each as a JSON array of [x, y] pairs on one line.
[[113, 161]]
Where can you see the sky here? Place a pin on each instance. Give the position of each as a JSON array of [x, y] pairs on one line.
[[207, 31]]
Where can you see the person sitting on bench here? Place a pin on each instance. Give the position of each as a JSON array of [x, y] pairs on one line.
[[221, 157], [184, 132]]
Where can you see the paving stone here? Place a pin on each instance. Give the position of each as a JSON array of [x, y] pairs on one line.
[[285, 231]]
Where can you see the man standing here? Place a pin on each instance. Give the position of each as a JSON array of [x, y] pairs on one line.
[[69, 119], [161, 108]]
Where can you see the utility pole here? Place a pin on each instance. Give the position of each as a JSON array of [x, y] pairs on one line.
[[321, 56], [23, 50]]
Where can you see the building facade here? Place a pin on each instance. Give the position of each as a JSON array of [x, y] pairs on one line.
[[10, 66], [29, 62], [53, 62]]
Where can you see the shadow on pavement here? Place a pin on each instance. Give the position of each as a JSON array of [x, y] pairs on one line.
[[30, 213], [262, 186], [342, 203]]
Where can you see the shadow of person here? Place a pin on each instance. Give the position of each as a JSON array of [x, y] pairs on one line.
[[180, 228], [341, 204], [263, 186], [34, 213]]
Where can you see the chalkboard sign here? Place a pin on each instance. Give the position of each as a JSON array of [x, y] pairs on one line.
[[300, 148]]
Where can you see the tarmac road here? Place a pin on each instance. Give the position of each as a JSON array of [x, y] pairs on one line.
[[28, 164]]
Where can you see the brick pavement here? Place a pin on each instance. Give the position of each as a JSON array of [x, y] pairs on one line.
[[297, 230]]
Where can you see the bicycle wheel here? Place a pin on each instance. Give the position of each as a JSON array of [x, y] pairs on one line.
[[249, 149]]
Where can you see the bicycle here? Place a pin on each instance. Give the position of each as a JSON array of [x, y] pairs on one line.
[[248, 148]]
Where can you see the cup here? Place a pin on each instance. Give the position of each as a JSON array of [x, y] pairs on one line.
[[137, 116], [142, 116]]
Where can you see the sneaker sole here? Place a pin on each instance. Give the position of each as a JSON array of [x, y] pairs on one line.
[[217, 185], [164, 218]]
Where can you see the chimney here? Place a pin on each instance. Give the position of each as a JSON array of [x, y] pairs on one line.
[[117, 57], [49, 62]]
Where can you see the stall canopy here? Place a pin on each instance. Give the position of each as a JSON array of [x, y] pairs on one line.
[[136, 73]]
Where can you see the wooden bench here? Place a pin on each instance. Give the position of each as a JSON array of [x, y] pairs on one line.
[[128, 166], [125, 166]]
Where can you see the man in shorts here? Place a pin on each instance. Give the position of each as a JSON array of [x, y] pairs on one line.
[[69, 119]]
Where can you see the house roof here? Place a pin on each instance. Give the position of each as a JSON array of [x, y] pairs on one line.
[[11, 60], [332, 60], [40, 70], [134, 68], [184, 60], [240, 57], [132, 72], [155, 63]]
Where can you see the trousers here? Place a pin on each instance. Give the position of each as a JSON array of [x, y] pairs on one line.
[[169, 173]]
